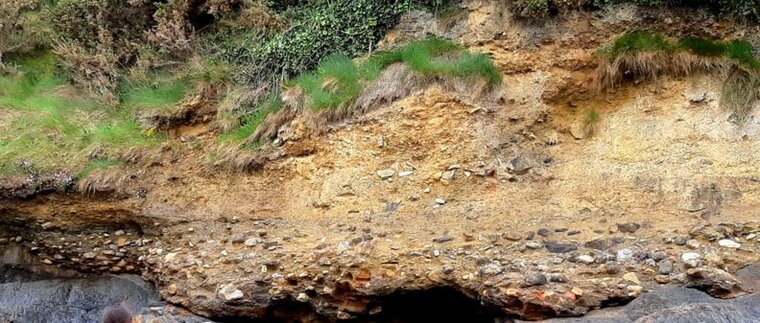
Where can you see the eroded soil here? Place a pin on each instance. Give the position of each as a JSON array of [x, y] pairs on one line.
[[521, 205]]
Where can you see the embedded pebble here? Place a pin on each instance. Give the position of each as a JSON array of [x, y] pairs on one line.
[[728, 243]]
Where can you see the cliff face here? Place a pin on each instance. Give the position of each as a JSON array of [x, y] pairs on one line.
[[518, 199]]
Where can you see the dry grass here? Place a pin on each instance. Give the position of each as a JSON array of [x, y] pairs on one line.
[[236, 103], [273, 123], [740, 91], [111, 180], [237, 159], [648, 66], [393, 83], [95, 71]]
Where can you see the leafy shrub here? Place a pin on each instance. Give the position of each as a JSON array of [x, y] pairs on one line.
[[12, 36], [738, 9], [316, 30]]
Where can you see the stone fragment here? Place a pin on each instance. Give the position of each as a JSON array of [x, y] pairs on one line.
[[556, 247], [629, 227], [491, 269], [519, 165], [665, 267], [386, 173], [624, 254], [252, 242], [230, 293], [691, 259], [585, 259], [728, 243], [631, 277], [303, 298], [534, 278]]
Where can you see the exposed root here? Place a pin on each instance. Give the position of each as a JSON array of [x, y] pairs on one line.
[[650, 65]]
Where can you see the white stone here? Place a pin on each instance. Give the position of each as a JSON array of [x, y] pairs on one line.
[[170, 256], [252, 242], [586, 259], [302, 297], [386, 173], [440, 201], [624, 254], [728, 243], [230, 292], [405, 173], [691, 258]]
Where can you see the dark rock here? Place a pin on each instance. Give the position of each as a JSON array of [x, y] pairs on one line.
[[676, 305], [681, 241], [391, 206], [630, 227], [574, 232], [750, 277], [238, 238], [612, 268], [558, 278], [658, 255], [520, 165], [530, 235], [603, 243], [443, 239], [543, 232], [534, 278], [358, 240], [561, 229], [556, 247], [715, 282], [491, 269]]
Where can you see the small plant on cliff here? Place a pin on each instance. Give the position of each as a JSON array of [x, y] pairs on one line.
[[591, 121], [646, 55], [338, 81]]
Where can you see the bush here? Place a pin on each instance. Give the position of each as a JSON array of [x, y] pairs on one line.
[[747, 10], [316, 30], [12, 37]]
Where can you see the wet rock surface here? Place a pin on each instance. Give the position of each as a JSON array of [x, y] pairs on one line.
[[678, 305]]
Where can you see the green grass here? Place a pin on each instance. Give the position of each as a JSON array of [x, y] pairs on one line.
[[638, 41], [703, 47], [338, 80], [96, 164], [55, 127], [252, 121], [592, 117], [645, 41], [160, 93]]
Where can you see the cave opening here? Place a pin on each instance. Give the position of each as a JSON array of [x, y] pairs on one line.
[[439, 304]]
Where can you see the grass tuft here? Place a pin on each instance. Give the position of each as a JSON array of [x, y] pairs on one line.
[[161, 93], [333, 88], [96, 164], [637, 41], [646, 55]]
